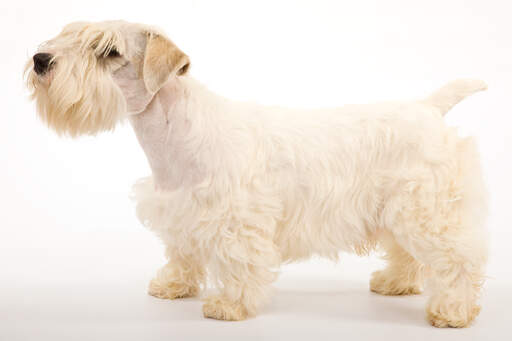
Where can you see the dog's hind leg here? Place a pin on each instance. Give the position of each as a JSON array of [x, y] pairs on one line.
[[456, 261], [440, 222], [181, 277], [403, 275]]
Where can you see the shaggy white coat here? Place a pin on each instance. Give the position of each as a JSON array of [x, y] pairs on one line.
[[238, 188]]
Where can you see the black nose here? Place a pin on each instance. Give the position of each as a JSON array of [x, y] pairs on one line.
[[42, 62]]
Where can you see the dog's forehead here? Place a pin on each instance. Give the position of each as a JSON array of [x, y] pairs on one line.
[[128, 38], [81, 29]]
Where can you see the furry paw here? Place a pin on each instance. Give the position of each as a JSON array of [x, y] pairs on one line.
[[451, 314], [171, 290], [385, 284], [216, 307]]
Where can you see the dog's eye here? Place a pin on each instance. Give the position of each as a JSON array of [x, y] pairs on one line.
[[113, 53]]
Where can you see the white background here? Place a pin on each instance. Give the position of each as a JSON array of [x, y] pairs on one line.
[[75, 262]]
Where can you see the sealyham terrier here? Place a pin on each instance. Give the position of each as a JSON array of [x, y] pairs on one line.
[[238, 189]]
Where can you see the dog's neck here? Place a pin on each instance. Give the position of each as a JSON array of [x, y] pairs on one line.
[[170, 133]]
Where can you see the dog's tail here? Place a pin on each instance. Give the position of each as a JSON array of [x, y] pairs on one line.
[[454, 92]]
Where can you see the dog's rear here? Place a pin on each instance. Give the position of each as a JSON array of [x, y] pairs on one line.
[[441, 209]]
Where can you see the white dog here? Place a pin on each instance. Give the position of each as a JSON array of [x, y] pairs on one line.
[[237, 189]]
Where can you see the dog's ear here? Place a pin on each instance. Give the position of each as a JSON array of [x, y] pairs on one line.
[[161, 60]]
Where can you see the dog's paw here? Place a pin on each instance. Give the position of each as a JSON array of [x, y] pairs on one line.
[[171, 290], [451, 314], [385, 284], [216, 307]]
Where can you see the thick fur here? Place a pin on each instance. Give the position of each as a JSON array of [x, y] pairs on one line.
[[238, 189]]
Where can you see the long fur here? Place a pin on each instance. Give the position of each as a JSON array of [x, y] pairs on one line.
[[238, 189]]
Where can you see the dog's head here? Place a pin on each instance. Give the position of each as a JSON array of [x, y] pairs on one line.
[[92, 75]]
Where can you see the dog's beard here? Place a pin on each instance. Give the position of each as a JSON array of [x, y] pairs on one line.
[[76, 99]]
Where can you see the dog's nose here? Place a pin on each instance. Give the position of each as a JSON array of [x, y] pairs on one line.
[[42, 62]]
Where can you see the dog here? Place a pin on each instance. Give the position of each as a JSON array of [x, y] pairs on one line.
[[237, 189]]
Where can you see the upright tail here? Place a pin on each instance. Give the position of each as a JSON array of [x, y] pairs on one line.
[[454, 92]]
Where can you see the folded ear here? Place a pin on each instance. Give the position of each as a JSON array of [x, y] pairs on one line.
[[161, 60]]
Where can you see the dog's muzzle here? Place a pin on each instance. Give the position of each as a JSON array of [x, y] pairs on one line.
[[42, 62]]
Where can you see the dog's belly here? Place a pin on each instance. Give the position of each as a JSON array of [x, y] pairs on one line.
[[296, 248], [329, 205], [327, 227], [331, 202]]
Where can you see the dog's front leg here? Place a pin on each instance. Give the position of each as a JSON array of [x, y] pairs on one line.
[[181, 277], [243, 266]]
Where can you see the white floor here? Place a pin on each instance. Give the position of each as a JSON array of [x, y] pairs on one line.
[[94, 289]]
